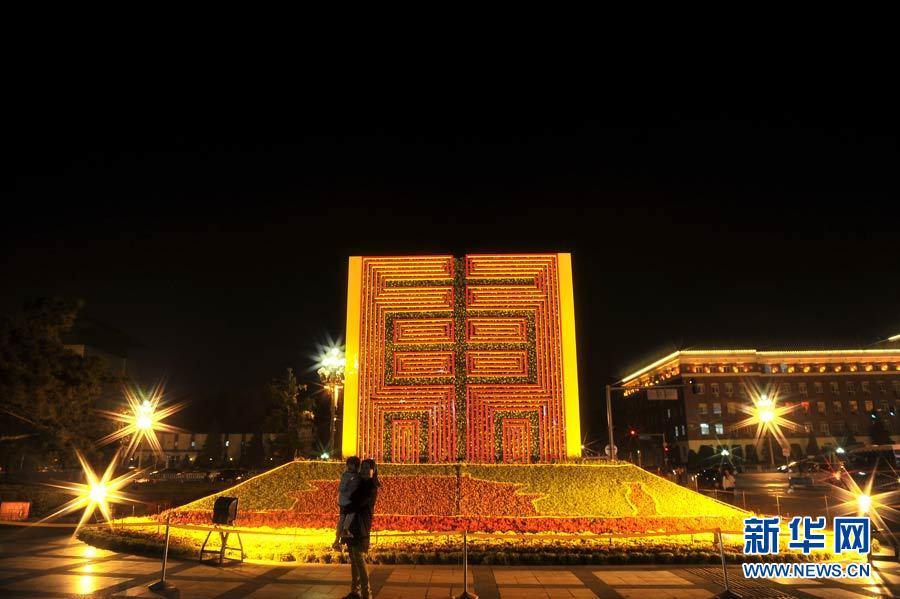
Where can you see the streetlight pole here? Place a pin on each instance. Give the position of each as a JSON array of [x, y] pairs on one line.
[[609, 418], [771, 452], [331, 371], [335, 389], [609, 423]]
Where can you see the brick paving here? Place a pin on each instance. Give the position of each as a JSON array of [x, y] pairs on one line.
[[58, 567]]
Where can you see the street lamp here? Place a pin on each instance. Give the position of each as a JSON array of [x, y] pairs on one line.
[[143, 420], [331, 372], [769, 420]]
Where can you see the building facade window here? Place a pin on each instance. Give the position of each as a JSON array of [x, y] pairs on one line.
[[837, 407], [717, 409], [855, 428], [883, 405], [807, 427], [870, 406], [896, 388], [865, 387], [851, 388], [823, 428], [704, 429], [700, 388], [729, 389], [820, 407], [701, 409], [802, 389], [882, 387], [785, 388], [720, 428], [732, 408], [818, 388], [838, 427], [714, 389], [835, 388]]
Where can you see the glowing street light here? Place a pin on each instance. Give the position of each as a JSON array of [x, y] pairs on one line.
[[864, 503], [143, 420], [96, 494], [725, 453], [839, 450], [769, 419]]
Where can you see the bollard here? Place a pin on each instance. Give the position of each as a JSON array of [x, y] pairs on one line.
[[466, 594], [164, 586], [727, 593]]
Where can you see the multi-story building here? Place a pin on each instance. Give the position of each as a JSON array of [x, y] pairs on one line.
[[184, 448], [692, 398]]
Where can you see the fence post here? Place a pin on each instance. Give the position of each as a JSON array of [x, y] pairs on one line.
[[466, 594], [727, 593], [163, 586]]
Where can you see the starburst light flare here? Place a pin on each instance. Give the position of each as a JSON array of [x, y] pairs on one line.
[[768, 416], [143, 419], [96, 493], [864, 500]]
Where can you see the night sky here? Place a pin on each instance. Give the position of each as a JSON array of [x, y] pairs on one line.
[[223, 251]]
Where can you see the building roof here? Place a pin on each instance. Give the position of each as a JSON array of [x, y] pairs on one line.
[[889, 349]]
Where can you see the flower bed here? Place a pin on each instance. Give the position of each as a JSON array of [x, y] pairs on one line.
[[488, 498], [523, 502]]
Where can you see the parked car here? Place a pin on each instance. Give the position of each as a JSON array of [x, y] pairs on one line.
[[231, 475], [709, 478]]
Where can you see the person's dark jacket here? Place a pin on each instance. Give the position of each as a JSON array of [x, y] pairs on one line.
[[362, 503]]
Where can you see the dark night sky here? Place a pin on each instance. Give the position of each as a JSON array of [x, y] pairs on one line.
[[224, 250]]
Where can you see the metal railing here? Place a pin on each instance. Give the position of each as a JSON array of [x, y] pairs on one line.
[[717, 537]]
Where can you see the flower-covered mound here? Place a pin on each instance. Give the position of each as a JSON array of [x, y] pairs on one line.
[[535, 498]]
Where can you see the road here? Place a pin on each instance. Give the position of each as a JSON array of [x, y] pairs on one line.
[[770, 493]]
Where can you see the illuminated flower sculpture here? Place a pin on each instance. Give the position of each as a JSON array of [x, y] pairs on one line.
[[96, 494], [143, 419]]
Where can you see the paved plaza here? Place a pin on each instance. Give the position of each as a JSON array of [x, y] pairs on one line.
[[57, 567]]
